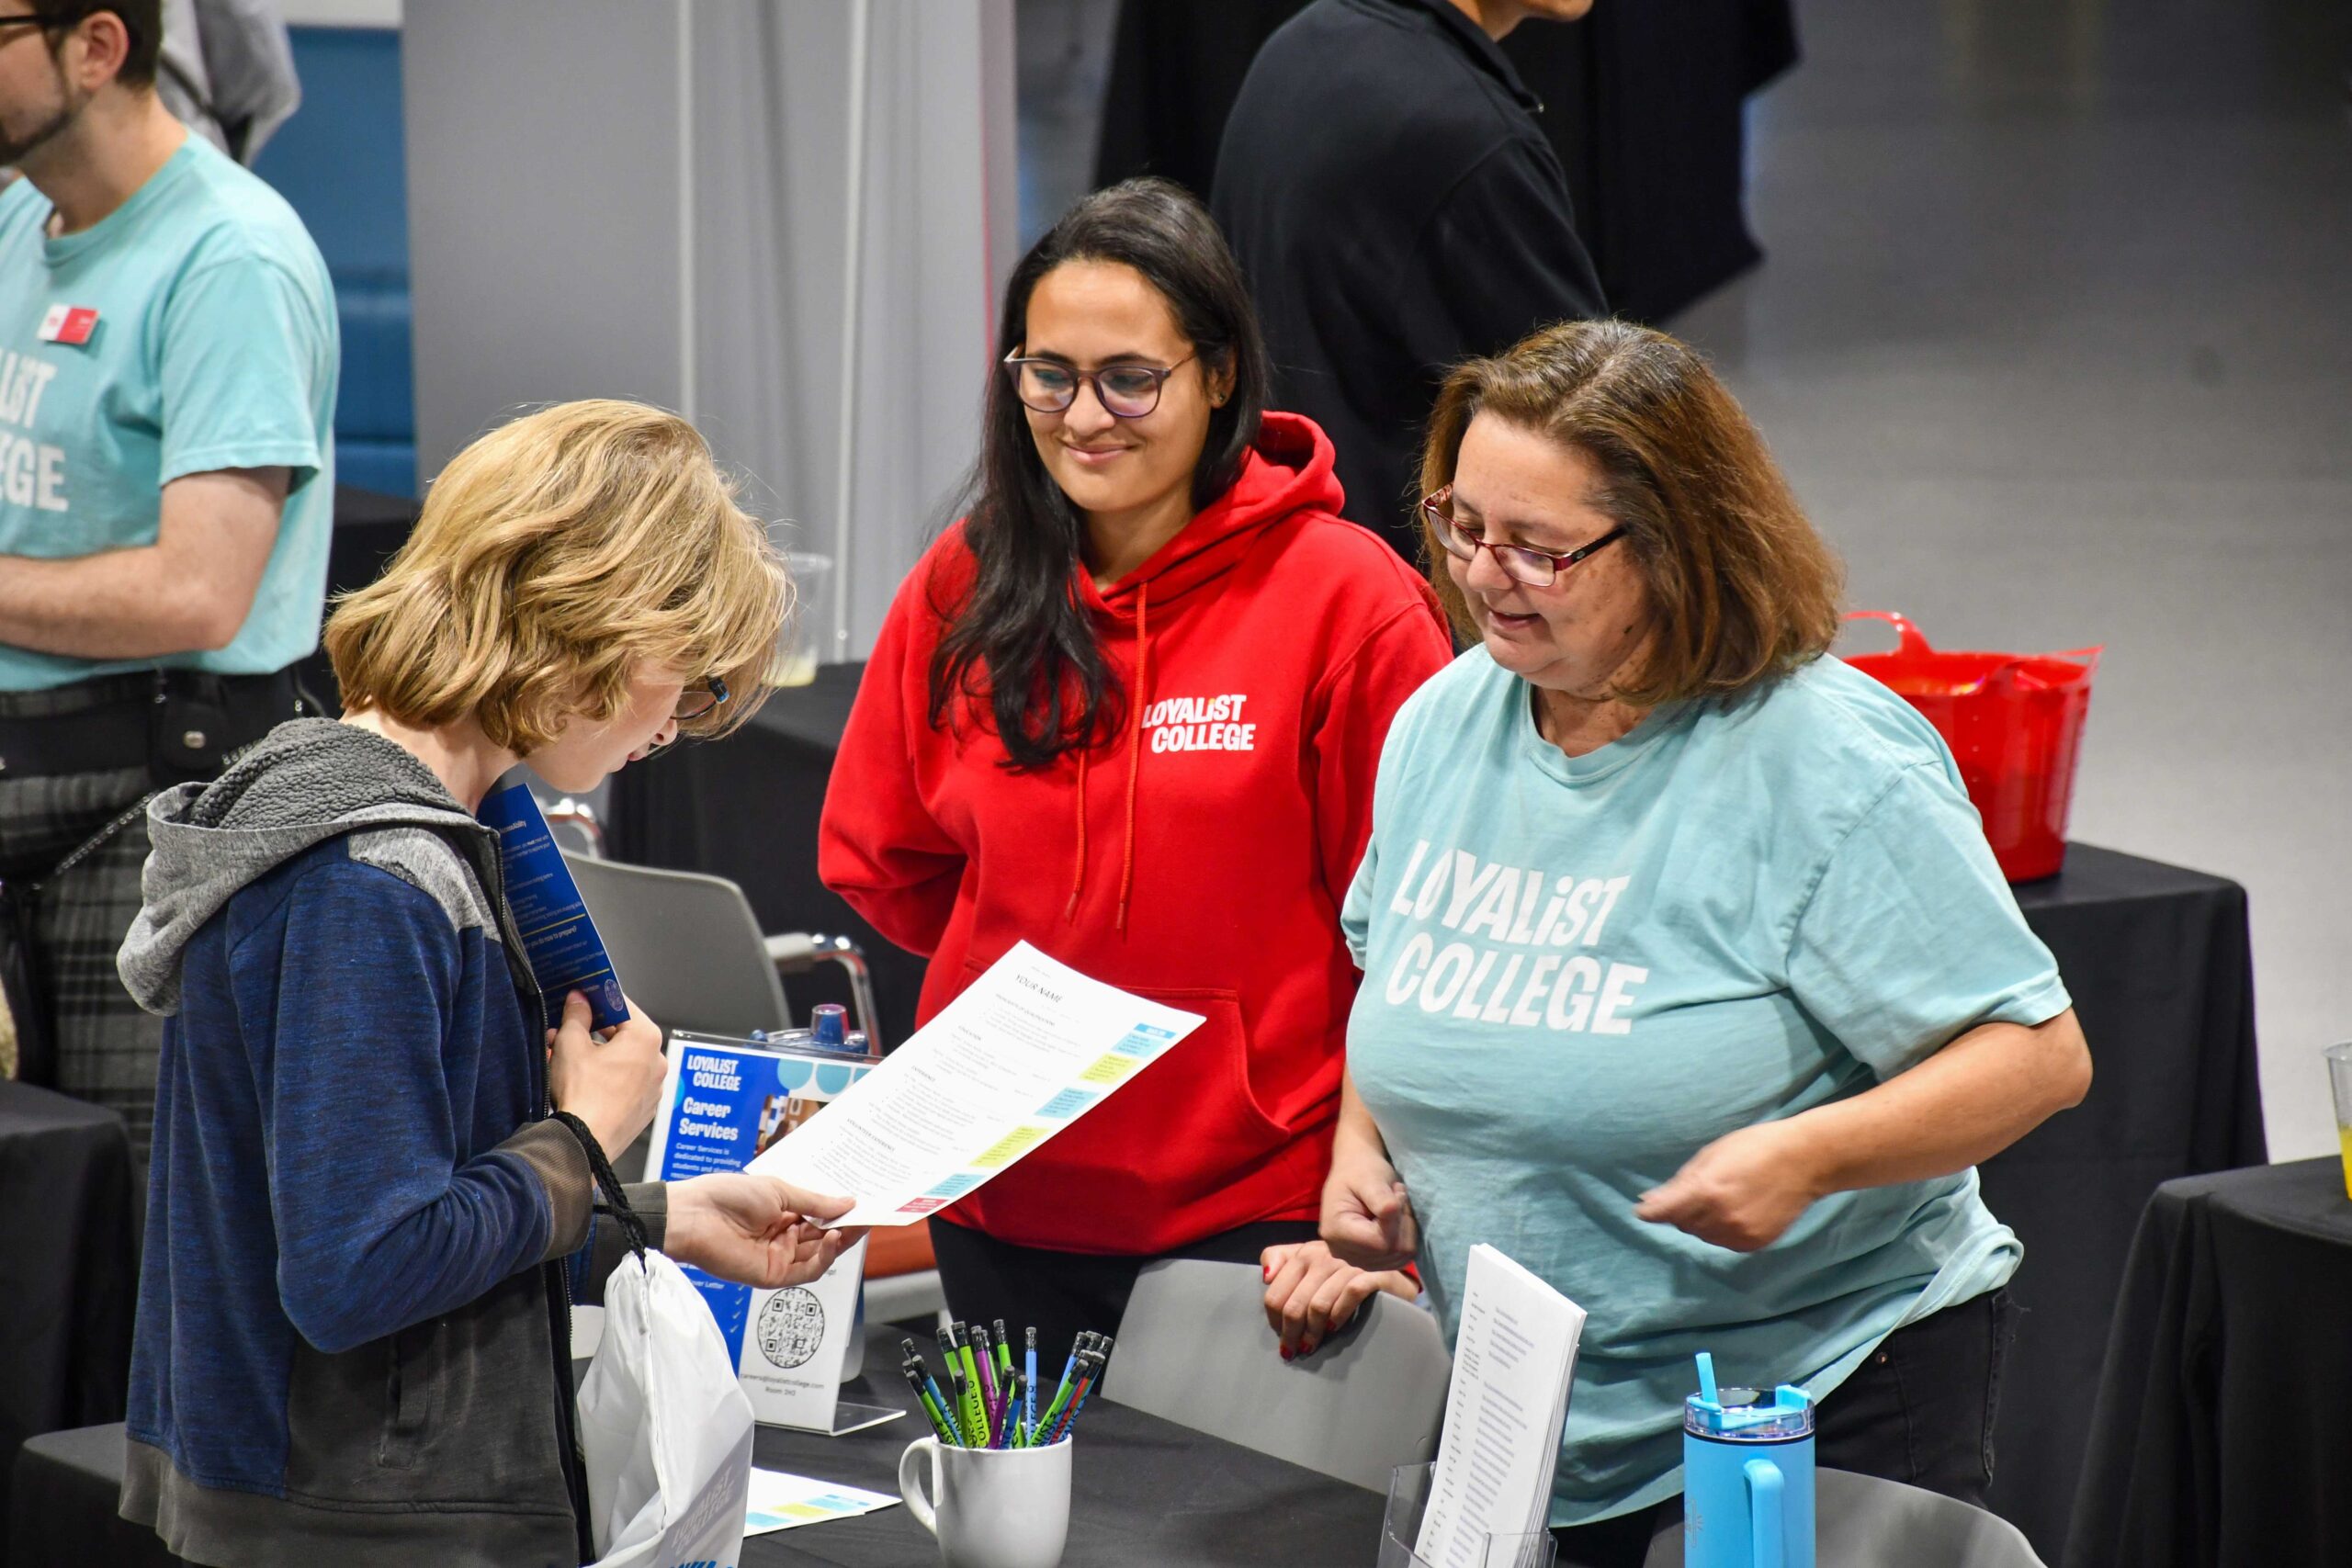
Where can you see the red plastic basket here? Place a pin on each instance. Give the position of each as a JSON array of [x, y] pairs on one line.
[[2014, 722]]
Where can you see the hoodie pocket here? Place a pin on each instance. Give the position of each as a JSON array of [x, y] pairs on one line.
[[1180, 1129], [412, 1374]]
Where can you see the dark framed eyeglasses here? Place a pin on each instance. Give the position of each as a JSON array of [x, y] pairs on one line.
[[1125, 391], [1520, 563], [696, 701], [28, 19]]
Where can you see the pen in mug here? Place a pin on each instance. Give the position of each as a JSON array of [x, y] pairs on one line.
[[916, 1379], [1069, 1367], [987, 1363], [1029, 1399], [929, 1385], [968, 1407], [1101, 1358], [1003, 1343], [956, 1410], [1090, 1373]]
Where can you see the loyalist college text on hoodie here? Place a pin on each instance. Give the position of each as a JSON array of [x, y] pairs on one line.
[[1197, 857]]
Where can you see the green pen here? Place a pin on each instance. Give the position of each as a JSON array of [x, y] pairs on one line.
[[976, 1413], [955, 1376], [1003, 1356], [1062, 1392]]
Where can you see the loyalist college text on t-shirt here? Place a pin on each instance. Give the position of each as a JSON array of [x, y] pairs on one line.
[[1579, 971], [192, 329]]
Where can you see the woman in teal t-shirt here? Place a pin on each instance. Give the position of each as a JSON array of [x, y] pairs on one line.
[[1690, 980]]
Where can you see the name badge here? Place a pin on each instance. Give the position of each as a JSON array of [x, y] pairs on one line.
[[69, 324]]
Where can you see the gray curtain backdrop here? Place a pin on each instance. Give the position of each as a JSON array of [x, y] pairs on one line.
[[651, 199]]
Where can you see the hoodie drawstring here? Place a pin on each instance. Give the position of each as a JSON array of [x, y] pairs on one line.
[[1078, 871], [1138, 700], [1135, 744]]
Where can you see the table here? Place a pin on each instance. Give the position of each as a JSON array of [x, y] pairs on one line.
[[2157, 958], [69, 1267], [2162, 972], [2220, 1434], [1142, 1490]]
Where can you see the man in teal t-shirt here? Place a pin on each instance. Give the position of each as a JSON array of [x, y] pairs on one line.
[[168, 358]]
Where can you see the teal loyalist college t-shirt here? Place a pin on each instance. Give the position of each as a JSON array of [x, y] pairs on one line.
[[1579, 971], [215, 347]]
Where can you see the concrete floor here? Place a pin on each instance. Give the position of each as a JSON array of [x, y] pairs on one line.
[[2054, 338]]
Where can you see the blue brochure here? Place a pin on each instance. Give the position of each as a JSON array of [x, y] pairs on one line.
[[724, 1103], [559, 938]]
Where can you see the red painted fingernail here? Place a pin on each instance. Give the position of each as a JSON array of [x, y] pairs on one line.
[[1286, 1352], [1307, 1349]]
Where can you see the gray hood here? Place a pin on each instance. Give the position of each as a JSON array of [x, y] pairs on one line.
[[305, 782]]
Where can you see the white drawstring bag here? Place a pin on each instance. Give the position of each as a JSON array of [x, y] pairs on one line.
[[665, 1431]]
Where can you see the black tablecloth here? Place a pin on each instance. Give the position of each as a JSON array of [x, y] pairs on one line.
[[69, 1267], [1644, 104], [2162, 973], [1142, 1491], [2220, 1434], [2157, 958]]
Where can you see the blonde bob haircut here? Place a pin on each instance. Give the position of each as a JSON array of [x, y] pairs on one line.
[[1741, 588], [557, 556]]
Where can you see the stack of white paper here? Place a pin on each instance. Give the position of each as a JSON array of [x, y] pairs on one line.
[[1512, 1360]]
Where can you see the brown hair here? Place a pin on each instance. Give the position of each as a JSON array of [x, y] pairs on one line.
[[1741, 586], [142, 27], [554, 556]]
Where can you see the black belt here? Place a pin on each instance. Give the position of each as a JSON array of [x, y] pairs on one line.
[[174, 723]]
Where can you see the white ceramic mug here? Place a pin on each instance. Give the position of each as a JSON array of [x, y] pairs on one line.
[[990, 1508]]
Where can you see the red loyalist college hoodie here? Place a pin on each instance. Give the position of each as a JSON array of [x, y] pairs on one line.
[[1198, 855]]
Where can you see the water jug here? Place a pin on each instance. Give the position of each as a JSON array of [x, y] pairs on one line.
[[1746, 1477]]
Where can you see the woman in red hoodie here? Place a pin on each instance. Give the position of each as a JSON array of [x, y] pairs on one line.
[[1129, 710]]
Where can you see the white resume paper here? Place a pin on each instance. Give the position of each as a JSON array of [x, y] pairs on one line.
[[1030, 1048], [1512, 1360]]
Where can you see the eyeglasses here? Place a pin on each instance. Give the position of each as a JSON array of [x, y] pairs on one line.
[[1125, 391], [1536, 569], [696, 701], [30, 20]]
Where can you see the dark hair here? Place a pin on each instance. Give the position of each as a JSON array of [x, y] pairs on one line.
[[1020, 638], [142, 20], [1742, 587]]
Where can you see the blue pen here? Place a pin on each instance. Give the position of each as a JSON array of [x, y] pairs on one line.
[[1070, 1366], [1029, 1402]]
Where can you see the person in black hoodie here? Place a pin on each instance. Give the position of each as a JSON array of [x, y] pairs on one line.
[[372, 1205], [1396, 210]]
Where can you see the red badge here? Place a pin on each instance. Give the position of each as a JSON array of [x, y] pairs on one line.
[[69, 324]]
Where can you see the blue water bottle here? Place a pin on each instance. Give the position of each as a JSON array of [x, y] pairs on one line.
[[1746, 1476]]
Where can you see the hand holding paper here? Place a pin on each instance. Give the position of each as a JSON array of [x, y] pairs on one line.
[[1029, 1048], [755, 1230]]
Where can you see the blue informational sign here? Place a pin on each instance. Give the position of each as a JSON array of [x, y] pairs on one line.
[[727, 1101], [559, 938]]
